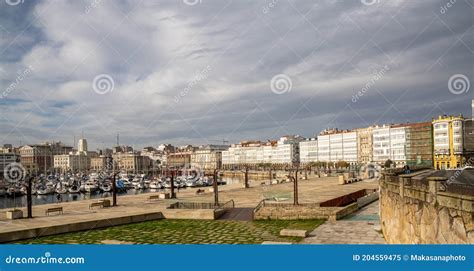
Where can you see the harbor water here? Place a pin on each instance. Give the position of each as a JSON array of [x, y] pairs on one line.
[[20, 201]]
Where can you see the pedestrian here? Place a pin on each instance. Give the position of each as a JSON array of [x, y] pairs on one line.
[[58, 197]]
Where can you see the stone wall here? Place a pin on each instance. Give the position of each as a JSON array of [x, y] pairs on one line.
[[285, 211], [416, 212]]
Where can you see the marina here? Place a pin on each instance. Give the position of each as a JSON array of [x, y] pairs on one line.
[[55, 191]]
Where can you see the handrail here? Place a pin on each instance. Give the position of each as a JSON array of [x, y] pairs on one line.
[[259, 206], [223, 206], [233, 203]]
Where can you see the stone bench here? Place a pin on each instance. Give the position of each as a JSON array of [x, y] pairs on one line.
[[294, 233], [343, 180]]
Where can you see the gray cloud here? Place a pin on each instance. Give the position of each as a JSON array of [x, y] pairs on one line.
[[156, 52]]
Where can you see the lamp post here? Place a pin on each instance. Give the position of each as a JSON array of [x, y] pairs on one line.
[[295, 198], [215, 188], [110, 168], [173, 195], [29, 202], [246, 180]]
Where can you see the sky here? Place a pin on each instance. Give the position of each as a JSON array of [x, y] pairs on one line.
[[204, 71]]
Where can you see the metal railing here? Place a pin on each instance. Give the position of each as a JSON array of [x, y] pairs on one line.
[[222, 207]]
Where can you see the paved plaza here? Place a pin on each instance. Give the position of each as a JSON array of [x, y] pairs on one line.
[[362, 227], [310, 191]]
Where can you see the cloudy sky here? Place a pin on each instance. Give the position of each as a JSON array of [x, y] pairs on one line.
[[190, 71]]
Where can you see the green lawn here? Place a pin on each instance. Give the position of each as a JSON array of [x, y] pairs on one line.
[[186, 232]]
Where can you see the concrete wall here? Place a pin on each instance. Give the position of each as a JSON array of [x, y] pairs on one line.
[[416, 212], [80, 226], [198, 214]]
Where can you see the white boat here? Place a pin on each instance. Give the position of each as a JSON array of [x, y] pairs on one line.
[[155, 185], [193, 182], [13, 191], [140, 185], [61, 188], [74, 188], [106, 187], [45, 190], [23, 190], [90, 187]]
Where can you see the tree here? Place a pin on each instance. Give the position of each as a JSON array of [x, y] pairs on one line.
[[290, 170]]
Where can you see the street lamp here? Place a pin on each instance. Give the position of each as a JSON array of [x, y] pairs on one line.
[[215, 188], [110, 168]]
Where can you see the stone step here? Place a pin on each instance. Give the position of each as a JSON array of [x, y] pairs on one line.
[[294, 233]]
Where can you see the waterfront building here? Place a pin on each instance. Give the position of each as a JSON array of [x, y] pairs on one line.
[[208, 157], [98, 163], [72, 162], [419, 144], [468, 146], [166, 148], [6, 159], [287, 151], [397, 144], [280, 153], [36, 158], [309, 151], [448, 134], [122, 149], [179, 159], [132, 162], [105, 151], [365, 145], [349, 147], [381, 144], [79, 161], [8, 148], [324, 151], [338, 145], [82, 145]]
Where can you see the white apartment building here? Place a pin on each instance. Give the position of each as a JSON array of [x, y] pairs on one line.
[[441, 137], [287, 150], [458, 136], [349, 147], [309, 151], [208, 157], [283, 151], [390, 142], [398, 145], [381, 143], [334, 145], [324, 151]]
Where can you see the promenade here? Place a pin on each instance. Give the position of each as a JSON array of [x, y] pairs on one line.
[[137, 208]]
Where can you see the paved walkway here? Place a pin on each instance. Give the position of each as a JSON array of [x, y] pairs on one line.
[[313, 190], [238, 214], [359, 228]]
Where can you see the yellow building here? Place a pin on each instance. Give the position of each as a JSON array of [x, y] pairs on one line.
[[448, 142]]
